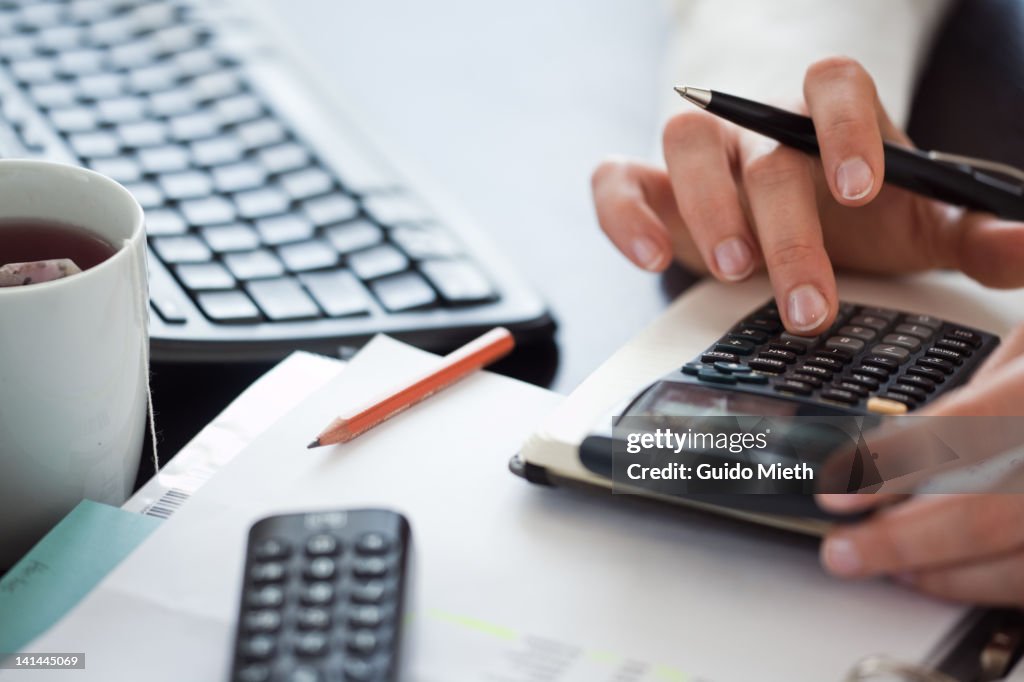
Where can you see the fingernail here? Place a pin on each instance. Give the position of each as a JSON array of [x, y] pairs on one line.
[[732, 256], [842, 557], [646, 253], [854, 178], [807, 308]]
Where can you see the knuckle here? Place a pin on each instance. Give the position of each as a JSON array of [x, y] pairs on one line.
[[790, 251], [687, 126], [775, 168]]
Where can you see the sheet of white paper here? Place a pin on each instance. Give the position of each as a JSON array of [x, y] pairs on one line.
[[512, 583]]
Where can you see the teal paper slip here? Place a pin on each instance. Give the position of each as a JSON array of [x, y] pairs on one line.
[[63, 567]]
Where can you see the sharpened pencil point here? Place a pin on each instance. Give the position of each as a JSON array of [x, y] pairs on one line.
[[314, 444]]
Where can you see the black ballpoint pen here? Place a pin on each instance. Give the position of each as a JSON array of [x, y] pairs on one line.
[[948, 178]]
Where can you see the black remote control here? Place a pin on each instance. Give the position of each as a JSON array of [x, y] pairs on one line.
[[323, 597]]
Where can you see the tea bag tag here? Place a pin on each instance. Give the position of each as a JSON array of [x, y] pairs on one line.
[[23, 274]]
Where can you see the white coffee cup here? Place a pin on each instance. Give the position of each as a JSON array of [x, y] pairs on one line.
[[73, 357]]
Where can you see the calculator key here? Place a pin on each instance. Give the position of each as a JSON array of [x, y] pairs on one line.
[[337, 292], [205, 277], [284, 229], [164, 159], [161, 222], [790, 346], [861, 379], [793, 386], [313, 618], [331, 209], [227, 238], [264, 620], [372, 567], [362, 642], [845, 343], [887, 363], [766, 365], [765, 324], [950, 356], [254, 264], [886, 406], [736, 346], [311, 255], [852, 387], [966, 336], [900, 398], [749, 334], [187, 185], [751, 378], [814, 381], [271, 548], [270, 572], [827, 363], [822, 373], [777, 354], [212, 210], [961, 347], [183, 249], [268, 597], [926, 385], [422, 243], [218, 151], [937, 364], [370, 592], [806, 340], [919, 330], [368, 616], [713, 356], [911, 343], [890, 351], [317, 594], [933, 375], [693, 369], [306, 183], [884, 313], [841, 355], [870, 321], [858, 332], [228, 307], [262, 202], [923, 320], [282, 299], [731, 367], [378, 261], [840, 396], [310, 644], [873, 371], [373, 543], [715, 377], [258, 648], [458, 281], [239, 176], [322, 544], [912, 391]]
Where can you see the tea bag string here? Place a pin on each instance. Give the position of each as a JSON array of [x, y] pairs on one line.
[[141, 283]]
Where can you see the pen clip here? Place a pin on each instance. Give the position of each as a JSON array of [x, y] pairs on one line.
[[997, 167]]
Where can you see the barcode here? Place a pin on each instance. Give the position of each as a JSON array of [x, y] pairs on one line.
[[168, 503]]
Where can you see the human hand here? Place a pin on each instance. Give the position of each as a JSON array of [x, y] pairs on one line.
[[965, 547], [733, 201]]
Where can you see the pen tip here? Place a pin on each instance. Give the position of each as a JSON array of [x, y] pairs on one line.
[[698, 96], [314, 444], [681, 89]]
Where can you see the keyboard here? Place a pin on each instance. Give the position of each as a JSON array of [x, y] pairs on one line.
[[272, 224]]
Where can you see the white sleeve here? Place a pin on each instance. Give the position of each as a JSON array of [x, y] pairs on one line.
[[760, 49]]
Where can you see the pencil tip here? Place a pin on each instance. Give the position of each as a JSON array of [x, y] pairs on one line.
[[314, 444]]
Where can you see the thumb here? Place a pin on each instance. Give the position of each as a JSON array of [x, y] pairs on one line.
[[987, 249]]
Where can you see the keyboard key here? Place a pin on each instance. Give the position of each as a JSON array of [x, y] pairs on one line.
[[167, 308], [311, 255], [378, 261], [765, 324], [950, 356], [234, 237], [713, 356], [407, 291], [306, 183], [194, 126], [749, 334], [172, 102], [17, 47], [205, 276], [965, 335], [254, 264], [74, 120], [338, 292], [187, 185], [396, 209], [165, 159], [111, 31], [961, 347], [911, 343], [209, 211], [422, 243], [122, 169], [282, 299], [813, 371], [164, 221], [354, 236], [238, 109], [216, 85], [262, 202], [147, 194], [735, 346], [767, 365], [261, 133], [918, 330], [184, 249], [38, 70], [845, 343], [80, 62], [925, 320], [891, 351], [858, 332], [284, 229], [840, 395], [196, 62], [152, 78], [122, 109], [870, 321], [142, 134], [51, 95], [313, 619], [218, 151], [229, 307], [60, 38], [777, 354], [283, 157], [132, 55], [176, 38], [831, 364], [94, 145], [789, 346], [331, 209], [873, 372], [925, 385], [240, 176], [862, 379], [934, 375], [459, 281], [882, 362], [806, 340]]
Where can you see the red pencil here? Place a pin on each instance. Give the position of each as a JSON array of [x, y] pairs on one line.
[[478, 353]]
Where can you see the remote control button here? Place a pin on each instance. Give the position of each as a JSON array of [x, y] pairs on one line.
[[322, 544], [884, 313], [358, 670], [852, 387], [256, 672], [859, 332], [737, 346], [310, 644], [270, 572], [691, 368], [766, 365], [944, 354], [374, 543], [937, 364], [919, 330], [370, 568], [258, 648], [965, 335], [828, 364], [304, 673], [821, 373], [884, 406], [262, 621], [716, 377], [793, 386], [366, 617], [313, 619], [321, 568], [923, 320], [891, 351], [915, 393], [933, 375], [749, 334], [268, 597], [881, 362], [367, 593], [864, 380], [840, 396], [776, 354], [318, 594], [961, 347], [362, 642], [845, 343], [713, 356], [751, 378], [925, 385], [911, 343], [797, 375], [872, 371], [791, 346], [872, 321]]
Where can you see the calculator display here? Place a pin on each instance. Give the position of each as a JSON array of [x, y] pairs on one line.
[[670, 399]]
